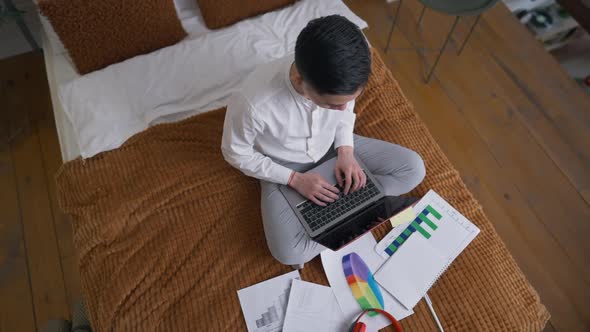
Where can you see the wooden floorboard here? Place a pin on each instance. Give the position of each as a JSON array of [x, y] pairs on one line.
[[16, 305], [504, 112], [43, 258], [72, 280]]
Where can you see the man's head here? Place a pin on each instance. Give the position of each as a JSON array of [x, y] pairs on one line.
[[333, 61]]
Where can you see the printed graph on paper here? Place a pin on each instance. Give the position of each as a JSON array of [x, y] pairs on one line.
[[432, 212]]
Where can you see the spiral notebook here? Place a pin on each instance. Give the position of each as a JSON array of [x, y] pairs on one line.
[[424, 249]]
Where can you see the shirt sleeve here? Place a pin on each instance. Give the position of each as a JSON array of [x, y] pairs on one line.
[[344, 130], [237, 144]]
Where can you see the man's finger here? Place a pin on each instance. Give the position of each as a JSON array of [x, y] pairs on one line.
[[326, 185], [330, 194], [362, 179], [316, 201], [338, 176], [356, 181], [348, 182], [324, 198], [364, 176]]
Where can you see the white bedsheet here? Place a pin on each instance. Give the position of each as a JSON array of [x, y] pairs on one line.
[[107, 107]]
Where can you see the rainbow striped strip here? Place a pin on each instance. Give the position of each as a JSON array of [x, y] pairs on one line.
[[360, 279]]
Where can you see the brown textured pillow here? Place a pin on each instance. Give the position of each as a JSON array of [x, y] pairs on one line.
[[221, 13], [98, 33]]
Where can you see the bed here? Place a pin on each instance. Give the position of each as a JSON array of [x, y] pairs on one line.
[[167, 232]]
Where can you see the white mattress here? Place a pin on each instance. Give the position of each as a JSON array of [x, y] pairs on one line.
[[61, 73]]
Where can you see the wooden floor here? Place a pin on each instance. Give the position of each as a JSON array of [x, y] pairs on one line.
[[505, 113], [38, 272]]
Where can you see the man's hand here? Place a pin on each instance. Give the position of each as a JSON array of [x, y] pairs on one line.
[[348, 171], [315, 188]]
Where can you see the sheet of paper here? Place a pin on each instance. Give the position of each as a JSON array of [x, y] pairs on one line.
[[453, 231], [265, 303], [332, 262], [401, 275], [439, 230], [313, 307]]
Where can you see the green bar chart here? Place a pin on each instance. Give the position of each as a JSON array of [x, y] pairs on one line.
[[424, 223]]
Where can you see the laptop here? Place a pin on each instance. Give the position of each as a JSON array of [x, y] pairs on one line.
[[349, 217]]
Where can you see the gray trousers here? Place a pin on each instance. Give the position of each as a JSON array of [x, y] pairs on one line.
[[398, 169]]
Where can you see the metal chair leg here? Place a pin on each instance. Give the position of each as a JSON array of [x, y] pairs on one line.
[[469, 34], [442, 49], [421, 16], [393, 26]]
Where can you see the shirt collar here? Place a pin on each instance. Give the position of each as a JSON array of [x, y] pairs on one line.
[[308, 103]]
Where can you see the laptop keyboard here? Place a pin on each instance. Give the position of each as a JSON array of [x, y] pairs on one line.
[[317, 216]]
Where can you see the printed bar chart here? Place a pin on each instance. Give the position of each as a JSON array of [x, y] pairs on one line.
[[272, 315], [427, 217], [428, 222]]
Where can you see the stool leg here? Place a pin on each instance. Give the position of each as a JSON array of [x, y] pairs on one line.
[[469, 34], [393, 25], [442, 49], [421, 16]]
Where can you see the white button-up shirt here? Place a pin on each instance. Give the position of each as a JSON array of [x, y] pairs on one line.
[[268, 120]]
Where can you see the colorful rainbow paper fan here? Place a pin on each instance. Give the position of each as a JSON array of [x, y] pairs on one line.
[[360, 279]]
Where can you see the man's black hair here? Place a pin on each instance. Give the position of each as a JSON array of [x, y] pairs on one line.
[[333, 56]]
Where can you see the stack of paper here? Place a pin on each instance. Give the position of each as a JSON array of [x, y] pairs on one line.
[[288, 304]]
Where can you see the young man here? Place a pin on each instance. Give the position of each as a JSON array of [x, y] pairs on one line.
[[297, 112]]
